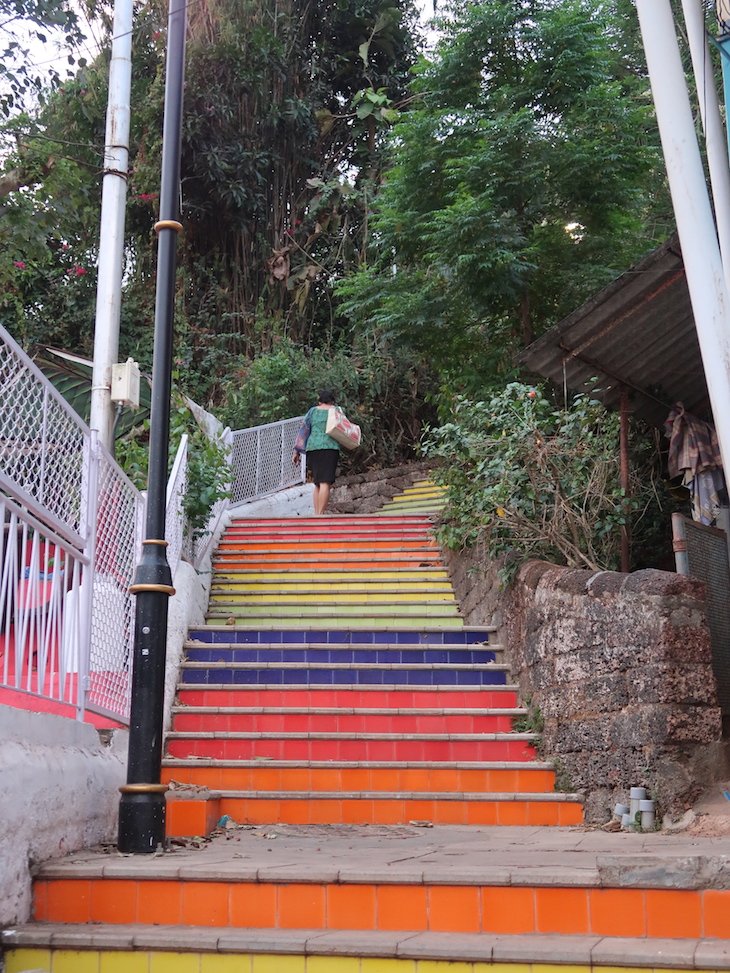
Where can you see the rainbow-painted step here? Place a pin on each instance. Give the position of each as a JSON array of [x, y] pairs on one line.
[[334, 654]]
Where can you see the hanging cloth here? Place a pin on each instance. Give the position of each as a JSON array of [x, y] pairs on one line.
[[694, 454]]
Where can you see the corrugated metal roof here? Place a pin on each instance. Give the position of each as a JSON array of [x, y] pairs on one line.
[[639, 332]]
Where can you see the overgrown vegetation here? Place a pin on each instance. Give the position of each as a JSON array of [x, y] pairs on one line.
[[355, 215], [531, 480]]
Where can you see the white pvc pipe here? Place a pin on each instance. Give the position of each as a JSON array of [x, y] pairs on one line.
[[111, 234], [715, 138], [695, 224]]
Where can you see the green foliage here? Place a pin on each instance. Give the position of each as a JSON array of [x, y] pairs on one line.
[[523, 176], [23, 21], [534, 481], [208, 469], [381, 389]]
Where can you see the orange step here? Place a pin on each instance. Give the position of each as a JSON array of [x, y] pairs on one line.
[[422, 905]]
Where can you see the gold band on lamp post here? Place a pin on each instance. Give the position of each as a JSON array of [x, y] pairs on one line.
[[143, 789], [165, 589], [168, 225], [159, 543]]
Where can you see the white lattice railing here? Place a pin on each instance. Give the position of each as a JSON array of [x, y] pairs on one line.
[[72, 530], [261, 459], [71, 538]]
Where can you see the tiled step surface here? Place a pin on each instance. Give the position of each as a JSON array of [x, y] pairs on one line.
[[354, 888], [199, 949], [421, 695], [354, 776]]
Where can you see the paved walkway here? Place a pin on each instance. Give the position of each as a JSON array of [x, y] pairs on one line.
[[444, 855]]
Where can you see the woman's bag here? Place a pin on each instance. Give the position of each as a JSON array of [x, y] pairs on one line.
[[344, 432], [300, 443]]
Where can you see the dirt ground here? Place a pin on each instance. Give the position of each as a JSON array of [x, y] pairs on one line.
[[711, 814]]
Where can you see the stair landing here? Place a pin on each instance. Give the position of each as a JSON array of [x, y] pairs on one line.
[[400, 895]]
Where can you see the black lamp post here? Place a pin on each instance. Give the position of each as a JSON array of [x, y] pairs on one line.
[[142, 807]]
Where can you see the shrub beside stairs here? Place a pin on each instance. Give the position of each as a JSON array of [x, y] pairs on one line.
[[335, 684]]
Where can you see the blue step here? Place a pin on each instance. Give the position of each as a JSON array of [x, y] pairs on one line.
[[254, 636], [304, 655], [345, 676]]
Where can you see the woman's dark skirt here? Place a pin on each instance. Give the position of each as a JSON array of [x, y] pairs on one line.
[[322, 465]]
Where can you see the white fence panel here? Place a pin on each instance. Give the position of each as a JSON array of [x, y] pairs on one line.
[[69, 547], [261, 459]]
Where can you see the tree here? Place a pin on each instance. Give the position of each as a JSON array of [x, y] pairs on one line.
[[22, 22], [526, 175]]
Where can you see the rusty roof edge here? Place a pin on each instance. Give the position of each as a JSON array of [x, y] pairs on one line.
[[650, 262]]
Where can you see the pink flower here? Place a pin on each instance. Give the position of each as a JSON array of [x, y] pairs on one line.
[[146, 197], [79, 271], [20, 264]]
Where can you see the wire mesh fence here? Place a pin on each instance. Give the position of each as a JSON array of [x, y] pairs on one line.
[[117, 545], [72, 533], [42, 440], [71, 538], [261, 459]]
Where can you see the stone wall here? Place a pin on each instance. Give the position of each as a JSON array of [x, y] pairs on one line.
[[364, 493], [618, 670]]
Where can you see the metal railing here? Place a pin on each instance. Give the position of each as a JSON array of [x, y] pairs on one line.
[[72, 532], [71, 537], [261, 459]]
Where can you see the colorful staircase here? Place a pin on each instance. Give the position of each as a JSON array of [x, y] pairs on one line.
[[335, 684]]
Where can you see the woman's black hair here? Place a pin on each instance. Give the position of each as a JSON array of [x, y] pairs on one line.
[[326, 396]]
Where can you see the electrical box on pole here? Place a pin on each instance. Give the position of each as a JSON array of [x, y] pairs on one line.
[[125, 384]]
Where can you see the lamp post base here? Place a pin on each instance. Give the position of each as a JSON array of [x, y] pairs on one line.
[[141, 822]]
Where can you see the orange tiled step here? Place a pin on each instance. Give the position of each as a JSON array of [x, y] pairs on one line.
[[165, 893], [346, 561], [324, 547], [251, 775], [188, 817]]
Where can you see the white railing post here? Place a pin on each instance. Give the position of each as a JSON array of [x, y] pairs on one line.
[[85, 602]]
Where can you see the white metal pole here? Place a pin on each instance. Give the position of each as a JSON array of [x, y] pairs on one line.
[[695, 224], [111, 234], [715, 138]]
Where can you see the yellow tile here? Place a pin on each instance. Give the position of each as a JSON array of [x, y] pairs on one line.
[[174, 962], [333, 964], [443, 966], [75, 961], [505, 968], [554, 968], [215, 963], [372, 965], [119, 961], [275, 963], [18, 960]]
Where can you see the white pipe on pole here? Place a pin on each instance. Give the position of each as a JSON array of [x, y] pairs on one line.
[[111, 234], [695, 224], [715, 138]]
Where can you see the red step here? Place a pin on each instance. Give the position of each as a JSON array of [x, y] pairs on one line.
[[362, 747], [401, 698]]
